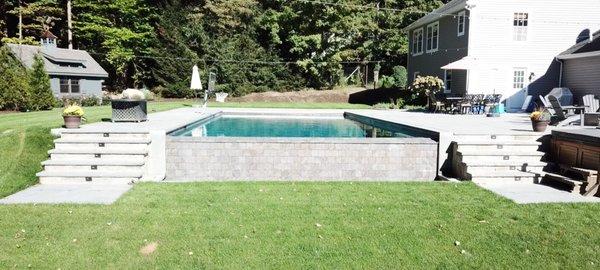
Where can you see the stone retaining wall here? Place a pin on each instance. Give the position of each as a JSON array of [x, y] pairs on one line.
[[301, 159]]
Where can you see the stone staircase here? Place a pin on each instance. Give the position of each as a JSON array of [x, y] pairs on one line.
[[496, 157], [83, 156]]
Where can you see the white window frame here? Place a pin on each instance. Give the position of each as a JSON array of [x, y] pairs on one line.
[[461, 15], [429, 42], [448, 90], [520, 25], [519, 83], [417, 44], [416, 74]]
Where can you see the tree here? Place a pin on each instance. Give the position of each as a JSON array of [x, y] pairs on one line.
[[13, 85], [40, 96]]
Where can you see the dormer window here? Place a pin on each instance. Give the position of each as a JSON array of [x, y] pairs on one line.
[[461, 23], [520, 23]]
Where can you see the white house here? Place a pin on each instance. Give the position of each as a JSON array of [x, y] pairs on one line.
[[506, 47]]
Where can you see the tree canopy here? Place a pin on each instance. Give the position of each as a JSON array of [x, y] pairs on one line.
[[253, 45]]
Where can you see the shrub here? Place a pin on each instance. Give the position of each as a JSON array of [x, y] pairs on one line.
[[423, 87], [178, 90], [400, 77], [73, 110], [387, 82], [89, 101], [383, 106]]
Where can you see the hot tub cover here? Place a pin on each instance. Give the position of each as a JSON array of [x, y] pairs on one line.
[[563, 94]]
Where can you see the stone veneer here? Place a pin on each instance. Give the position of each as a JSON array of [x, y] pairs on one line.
[[301, 159]]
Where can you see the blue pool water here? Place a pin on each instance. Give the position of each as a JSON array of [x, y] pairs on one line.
[[240, 126]]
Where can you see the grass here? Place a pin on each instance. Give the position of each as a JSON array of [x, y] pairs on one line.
[[279, 225], [302, 225]]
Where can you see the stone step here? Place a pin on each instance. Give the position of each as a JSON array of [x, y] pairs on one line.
[[102, 145], [500, 137], [508, 166], [86, 153], [118, 140], [49, 177], [508, 175], [491, 156], [93, 168], [87, 134], [478, 145], [50, 180], [136, 161]]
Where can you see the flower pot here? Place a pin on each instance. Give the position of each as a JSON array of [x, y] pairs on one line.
[[72, 121], [539, 126]]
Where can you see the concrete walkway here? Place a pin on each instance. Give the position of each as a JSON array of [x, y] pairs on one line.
[[527, 193], [68, 193]]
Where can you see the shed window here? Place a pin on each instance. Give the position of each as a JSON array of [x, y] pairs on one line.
[[519, 78], [520, 23], [417, 41], [461, 23], [68, 85], [433, 36]]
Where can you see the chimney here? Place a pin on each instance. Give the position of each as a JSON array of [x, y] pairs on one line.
[[48, 40]]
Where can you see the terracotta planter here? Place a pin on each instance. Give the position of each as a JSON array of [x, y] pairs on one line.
[[539, 126], [72, 121]]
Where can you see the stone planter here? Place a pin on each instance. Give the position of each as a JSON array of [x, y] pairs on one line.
[[539, 126], [127, 110], [72, 121]]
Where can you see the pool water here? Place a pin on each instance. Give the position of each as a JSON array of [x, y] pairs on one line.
[[282, 126]]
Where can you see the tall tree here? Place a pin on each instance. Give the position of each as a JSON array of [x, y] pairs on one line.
[[13, 85], [40, 96]]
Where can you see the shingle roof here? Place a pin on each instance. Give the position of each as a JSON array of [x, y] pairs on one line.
[[54, 56], [584, 46], [450, 7]]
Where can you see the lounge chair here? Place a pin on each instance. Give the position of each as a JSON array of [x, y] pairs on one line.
[[560, 118], [546, 104], [591, 116]]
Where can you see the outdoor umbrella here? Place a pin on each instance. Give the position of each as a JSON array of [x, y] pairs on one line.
[[196, 84]]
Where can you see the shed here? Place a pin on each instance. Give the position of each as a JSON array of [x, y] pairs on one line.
[[73, 73]]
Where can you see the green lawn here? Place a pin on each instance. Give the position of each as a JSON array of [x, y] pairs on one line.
[[304, 226], [280, 225]]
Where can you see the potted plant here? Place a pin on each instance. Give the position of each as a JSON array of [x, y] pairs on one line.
[[540, 119], [73, 114]]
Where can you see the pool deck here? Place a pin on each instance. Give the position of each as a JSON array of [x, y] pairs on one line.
[[167, 121]]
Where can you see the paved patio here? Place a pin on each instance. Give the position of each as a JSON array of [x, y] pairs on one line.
[[173, 119]]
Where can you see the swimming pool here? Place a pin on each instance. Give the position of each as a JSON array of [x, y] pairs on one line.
[[253, 146], [289, 126]]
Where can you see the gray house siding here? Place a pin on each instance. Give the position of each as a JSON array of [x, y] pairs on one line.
[[451, 48], [582, 76], [87, 86]]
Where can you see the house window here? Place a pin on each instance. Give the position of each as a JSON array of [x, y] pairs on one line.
[[448, 81], [417, 42], [520, 22], [461, 23], [519, 78], [64, 85], [433, 36], [69, 86]]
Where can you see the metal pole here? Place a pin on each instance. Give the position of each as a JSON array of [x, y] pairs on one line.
[[69, 25]]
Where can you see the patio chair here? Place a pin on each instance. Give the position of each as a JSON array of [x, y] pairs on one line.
[[591, 116], [560, 118], [546, 104], [466, 104], [478, 104]]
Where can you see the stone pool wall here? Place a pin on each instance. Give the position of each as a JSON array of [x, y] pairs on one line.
[[300, 159]]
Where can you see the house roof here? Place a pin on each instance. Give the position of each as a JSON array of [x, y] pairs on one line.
[[584, 49], [54, 57], [48, 34], [451, 7]]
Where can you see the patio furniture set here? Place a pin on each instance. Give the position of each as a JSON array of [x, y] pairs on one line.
[[467, 104], [588, 114]]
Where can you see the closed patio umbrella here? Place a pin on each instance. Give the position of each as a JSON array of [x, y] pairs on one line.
[[196, 84]]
